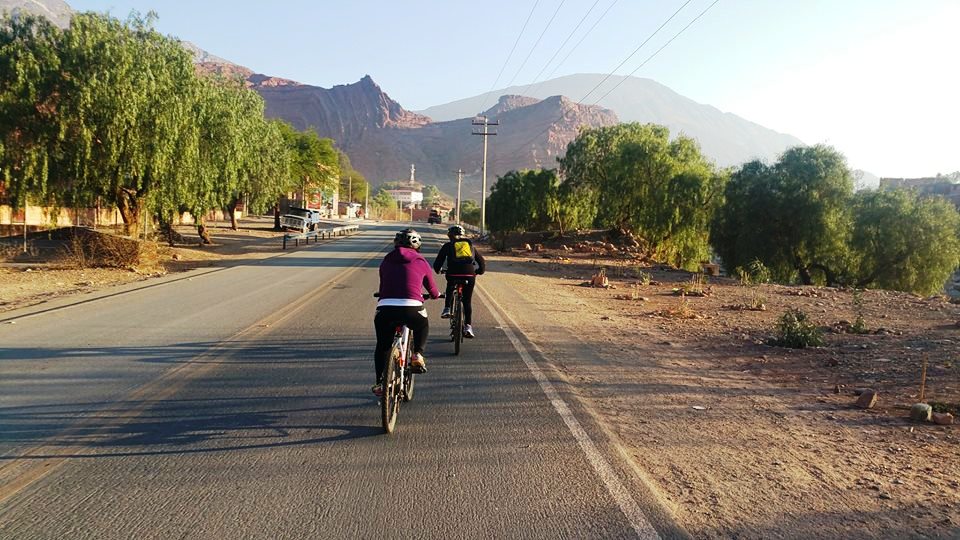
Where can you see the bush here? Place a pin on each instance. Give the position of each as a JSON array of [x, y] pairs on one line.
[[797, 331], [88, 249]]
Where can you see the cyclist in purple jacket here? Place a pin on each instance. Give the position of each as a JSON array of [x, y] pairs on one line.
[[404, 273]]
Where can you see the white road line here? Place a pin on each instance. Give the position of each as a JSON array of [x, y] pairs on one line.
[[616, 489]]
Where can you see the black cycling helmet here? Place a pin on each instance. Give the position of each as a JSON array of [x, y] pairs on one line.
[[408, 238], [456, 230]]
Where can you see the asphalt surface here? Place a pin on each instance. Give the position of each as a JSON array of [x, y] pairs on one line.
[[235, 403]]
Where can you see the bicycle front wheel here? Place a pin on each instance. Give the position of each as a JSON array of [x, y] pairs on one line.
[[390, 402], [458, 330]]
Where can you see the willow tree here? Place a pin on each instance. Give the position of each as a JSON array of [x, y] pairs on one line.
[[904, 242], [793, 216], [314, 163], [124, 119], [640, 180], [29, 96]]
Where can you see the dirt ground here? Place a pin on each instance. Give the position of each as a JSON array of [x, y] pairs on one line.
[[743, 439], [45, 272], [740, 439]]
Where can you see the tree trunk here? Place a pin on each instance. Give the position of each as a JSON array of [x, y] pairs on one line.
[[129, 205], [828, 274], [165, 225], [203, 232], [276, 217], [231, 210]]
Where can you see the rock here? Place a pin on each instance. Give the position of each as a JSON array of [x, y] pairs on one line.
[[867, 399], [943, 419], [177, 256], [921, 412]]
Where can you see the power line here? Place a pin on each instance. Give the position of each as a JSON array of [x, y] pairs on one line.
[[570, 52], [635, 51], [675, 36], [562, 45], [509, 56], [682, 30], [536, 43]]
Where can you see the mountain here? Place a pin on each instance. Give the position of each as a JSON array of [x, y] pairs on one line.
[[55, 10], [383, 139], [724, 137]]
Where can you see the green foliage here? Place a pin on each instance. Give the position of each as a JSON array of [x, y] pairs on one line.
[[796, 331], [793, 216], [470, 212], [534, 200], [431, 195], [114, 111], [859, 326], [353, 185], [904, 242], [755, 273], [314, 163], [637, 179]]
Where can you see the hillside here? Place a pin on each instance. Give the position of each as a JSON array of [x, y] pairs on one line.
[[724, 137]]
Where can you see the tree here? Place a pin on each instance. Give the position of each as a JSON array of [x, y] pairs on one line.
[[639, 180], [383, 201], [29, 76], [431, 195], [793, 216], [353, 186], [470, 212], [314, 164], [904, 242]]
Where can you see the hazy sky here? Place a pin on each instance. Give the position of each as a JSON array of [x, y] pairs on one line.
[[878, 79]]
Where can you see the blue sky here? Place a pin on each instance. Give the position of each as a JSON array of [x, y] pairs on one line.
[[875, 78]]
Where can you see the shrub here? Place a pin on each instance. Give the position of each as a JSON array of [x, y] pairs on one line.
[[797, 331], [87, 249]]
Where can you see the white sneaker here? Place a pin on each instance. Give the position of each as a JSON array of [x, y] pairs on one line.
[[468, 331]]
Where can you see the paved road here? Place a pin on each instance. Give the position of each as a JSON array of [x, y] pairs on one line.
[[235, 403]]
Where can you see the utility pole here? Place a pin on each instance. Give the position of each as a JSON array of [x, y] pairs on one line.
[[483, 190], [459, 182]]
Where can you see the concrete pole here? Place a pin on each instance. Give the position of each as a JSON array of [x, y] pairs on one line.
[[483, 189], [459, 182]]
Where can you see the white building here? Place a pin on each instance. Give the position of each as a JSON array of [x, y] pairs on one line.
[[407, 197]]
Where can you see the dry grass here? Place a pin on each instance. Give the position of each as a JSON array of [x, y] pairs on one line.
[[90, 249]]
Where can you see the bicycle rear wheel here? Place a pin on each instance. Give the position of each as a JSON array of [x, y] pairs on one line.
[[390, 402], [458, 330]]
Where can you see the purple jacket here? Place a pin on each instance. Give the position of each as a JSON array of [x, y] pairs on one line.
[[404, 273]]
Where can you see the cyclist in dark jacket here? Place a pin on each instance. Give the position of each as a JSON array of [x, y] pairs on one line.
[[464, 264], [404, 273]]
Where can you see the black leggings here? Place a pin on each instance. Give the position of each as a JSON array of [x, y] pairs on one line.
[[468, 283], [386, 321]]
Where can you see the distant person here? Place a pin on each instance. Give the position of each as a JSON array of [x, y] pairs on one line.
[[464, 264], [404, 273]]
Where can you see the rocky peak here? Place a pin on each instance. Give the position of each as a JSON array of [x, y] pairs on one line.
[[509, 103]]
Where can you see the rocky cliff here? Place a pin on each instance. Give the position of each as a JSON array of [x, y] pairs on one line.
[[383, 139]]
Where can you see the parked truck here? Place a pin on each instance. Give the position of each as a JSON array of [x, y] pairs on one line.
[[301, 219]]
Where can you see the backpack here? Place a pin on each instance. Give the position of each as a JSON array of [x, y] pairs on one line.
[[461, 252]]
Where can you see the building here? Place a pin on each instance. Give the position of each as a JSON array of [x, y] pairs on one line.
[[407, 197]]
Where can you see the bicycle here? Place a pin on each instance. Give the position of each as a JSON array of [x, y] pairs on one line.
[[397, 377], [456, 315]]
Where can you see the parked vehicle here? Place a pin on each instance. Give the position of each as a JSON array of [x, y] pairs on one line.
[[301, 219], [434, 217]]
